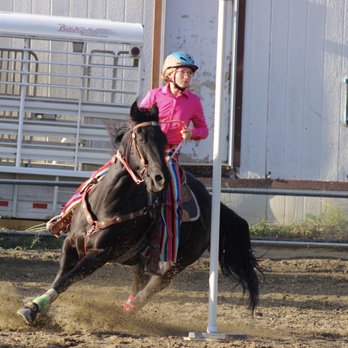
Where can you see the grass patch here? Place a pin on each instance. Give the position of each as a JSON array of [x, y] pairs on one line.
[[331, 224], [27, 240], [30, 242]]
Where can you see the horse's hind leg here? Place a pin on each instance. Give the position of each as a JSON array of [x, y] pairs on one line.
[[155, 284], [140, 280], [89, 263]]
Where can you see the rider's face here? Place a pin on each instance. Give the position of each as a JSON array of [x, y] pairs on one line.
[[182, 76]]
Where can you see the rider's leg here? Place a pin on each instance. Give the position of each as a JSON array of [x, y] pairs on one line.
[[171, 214]]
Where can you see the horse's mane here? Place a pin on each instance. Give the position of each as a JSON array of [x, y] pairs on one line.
[[116, 134]]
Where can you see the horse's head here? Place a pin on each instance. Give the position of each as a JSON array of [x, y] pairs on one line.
[[143, 148]]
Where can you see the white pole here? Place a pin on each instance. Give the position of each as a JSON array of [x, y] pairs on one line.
[[235, 14], [215, 216]]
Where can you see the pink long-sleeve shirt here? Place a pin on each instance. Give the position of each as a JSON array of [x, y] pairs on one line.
[[186, 107]]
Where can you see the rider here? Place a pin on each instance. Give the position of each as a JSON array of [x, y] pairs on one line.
[[182, 118]]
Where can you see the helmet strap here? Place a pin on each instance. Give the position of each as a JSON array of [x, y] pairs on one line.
[[181, 89]]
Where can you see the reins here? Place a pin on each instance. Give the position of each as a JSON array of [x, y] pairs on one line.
[[138, 152], [129, 169], [180, 145], [143, 171]]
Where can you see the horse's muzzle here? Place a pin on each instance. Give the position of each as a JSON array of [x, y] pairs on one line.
[[156, 182]]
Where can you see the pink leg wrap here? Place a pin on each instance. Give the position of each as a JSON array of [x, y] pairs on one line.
[[132, 303]]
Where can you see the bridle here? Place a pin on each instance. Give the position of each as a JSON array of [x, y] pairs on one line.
[[138, 179], [143, 172]]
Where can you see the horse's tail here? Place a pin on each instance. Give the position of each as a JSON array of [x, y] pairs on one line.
[[236, 257]]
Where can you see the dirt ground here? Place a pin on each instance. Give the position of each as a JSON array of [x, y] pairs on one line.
[[303, 303]]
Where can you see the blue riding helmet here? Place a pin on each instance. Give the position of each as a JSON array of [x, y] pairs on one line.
[[179, 59]]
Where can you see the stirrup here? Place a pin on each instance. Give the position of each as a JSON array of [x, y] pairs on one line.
[[59, 224]]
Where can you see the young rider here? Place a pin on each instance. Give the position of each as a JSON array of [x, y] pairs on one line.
[[182, 118]]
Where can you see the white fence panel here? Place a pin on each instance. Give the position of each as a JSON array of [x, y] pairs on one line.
[[293, 101]]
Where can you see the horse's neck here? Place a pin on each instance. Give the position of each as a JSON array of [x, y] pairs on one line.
[[116, 188]]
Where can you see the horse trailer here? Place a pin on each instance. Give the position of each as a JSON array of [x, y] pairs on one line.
[[63, 80]]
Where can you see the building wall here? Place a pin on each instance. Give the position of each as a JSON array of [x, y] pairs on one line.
[[294, 100], [295, 67], [294, 95]]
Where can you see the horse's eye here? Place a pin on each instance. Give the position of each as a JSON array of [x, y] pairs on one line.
[[141, 135]]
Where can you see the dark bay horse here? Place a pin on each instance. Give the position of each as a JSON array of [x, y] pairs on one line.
[[118, 217]]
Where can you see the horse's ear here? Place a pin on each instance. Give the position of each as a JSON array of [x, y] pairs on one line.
[[154, 110], [134, 110]]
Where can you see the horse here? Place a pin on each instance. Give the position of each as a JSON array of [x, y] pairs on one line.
[[118, 217]]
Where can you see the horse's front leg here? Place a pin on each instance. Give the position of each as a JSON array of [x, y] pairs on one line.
[[90, 262], [68, 259]]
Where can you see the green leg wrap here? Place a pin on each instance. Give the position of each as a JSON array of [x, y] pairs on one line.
[[43, 301]]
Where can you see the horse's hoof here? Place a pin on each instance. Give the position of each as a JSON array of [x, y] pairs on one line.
[[28, 313], [128, 306], [133, 304]]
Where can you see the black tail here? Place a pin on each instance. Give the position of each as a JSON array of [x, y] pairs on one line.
[[236, 256]]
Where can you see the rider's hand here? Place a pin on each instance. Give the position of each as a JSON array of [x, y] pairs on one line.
[[186, 133]]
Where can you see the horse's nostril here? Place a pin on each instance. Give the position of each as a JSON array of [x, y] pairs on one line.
[[158, 178]]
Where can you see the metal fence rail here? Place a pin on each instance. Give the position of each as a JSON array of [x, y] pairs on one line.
[[239, 190], [254, 242], [258, 191]]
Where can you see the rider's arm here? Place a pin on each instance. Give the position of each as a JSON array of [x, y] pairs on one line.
[[200, 128]]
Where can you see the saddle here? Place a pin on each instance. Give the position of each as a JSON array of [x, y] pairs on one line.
[[60, 224]]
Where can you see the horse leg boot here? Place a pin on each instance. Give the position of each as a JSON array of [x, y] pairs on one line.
[[30, 310], [92, 260], [68, 260]]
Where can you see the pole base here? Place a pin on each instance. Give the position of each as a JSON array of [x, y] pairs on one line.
[[214, 336]]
